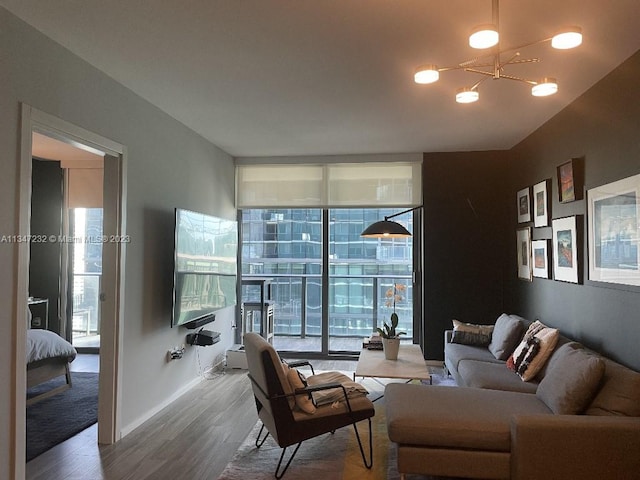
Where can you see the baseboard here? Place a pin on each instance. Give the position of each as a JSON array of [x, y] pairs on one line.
[[126, 430]]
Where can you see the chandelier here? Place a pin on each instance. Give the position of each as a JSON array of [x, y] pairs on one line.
[[492, 65]]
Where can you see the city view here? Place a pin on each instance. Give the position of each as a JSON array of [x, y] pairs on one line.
[[367, 277]]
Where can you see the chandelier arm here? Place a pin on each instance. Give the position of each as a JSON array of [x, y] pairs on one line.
[[524, 60], [519, 79], [508, 62], [525, 45], [481, 72], [475, 85]]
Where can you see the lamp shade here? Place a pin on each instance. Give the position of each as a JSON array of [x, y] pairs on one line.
[[484, 36], [385, 229], [569, 37], [545, 87]]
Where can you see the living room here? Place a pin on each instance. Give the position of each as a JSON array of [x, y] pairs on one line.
[[469, 218]]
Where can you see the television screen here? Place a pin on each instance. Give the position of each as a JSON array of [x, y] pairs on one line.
[[205, 267]]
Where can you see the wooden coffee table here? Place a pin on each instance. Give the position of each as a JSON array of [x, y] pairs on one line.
[[410, 364]]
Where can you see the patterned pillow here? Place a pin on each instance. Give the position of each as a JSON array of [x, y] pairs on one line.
[[533, 351], [303, 401], [470, 334]]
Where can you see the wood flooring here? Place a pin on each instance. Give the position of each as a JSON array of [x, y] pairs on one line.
[[193, 438]]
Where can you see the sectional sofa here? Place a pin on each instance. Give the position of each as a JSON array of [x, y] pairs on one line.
[[577, 416]]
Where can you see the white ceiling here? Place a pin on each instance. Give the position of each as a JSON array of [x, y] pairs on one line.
[[301, 77]]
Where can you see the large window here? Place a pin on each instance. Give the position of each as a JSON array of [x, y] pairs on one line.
[[363, 276]]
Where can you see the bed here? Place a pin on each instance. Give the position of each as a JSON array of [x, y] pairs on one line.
[[48, 356]]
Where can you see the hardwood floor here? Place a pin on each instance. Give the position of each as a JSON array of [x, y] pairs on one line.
[[194, 438]]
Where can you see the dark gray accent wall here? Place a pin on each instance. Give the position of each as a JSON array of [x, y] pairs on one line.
[[603, 127], [464, 260]]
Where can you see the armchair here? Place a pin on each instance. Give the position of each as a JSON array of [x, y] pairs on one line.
[[288, 426]]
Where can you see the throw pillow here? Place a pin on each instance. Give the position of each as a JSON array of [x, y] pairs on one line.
[[506, 333], [285, 370], [571, 380], [471, 334], [533, 351], [303, 401]]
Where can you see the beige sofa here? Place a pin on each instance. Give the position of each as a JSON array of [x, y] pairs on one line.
[[578, 418]]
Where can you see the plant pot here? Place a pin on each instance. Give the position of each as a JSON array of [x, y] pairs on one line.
[[391, 347]]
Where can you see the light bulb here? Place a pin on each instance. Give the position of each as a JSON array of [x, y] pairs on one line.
[[466, 95], [569, 37], [545, 87], [426, 74], [484, 36]]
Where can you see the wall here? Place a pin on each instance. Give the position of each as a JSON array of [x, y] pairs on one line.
[[464, 212], [168, 166], [602, 127]]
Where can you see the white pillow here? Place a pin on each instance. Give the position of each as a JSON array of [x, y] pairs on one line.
[[303, 401], [533, 351]]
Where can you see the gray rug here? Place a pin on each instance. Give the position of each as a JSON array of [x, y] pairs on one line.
[[61, 416]]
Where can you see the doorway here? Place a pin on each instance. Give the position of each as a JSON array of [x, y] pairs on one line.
[[112, 287]]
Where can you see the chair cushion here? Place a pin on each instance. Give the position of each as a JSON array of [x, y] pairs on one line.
[[471, 334], [571, 380], [534, 350], [506, 334], [330, 396]]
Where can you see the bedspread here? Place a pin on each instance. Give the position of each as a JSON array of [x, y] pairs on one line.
[[43, 344]]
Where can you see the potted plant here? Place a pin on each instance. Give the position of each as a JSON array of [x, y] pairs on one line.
[[390, 336]]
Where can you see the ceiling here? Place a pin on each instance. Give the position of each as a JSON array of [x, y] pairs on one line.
[[324, 77]]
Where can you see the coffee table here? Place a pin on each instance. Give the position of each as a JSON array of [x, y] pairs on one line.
[[410, 364]]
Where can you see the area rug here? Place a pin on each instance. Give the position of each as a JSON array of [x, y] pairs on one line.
[[328, 456], [61, 416]]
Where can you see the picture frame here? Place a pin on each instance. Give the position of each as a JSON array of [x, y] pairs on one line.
[[567, 242], [571, 180], [523, 239], [614, 235], [540, 263], [524, 205], [541, 204]]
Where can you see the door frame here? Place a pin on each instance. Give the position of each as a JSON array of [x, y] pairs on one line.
[[109, 408]]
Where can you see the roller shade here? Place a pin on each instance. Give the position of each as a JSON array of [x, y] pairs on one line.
[[330, 185]]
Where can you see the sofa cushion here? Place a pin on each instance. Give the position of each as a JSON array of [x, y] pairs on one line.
[[459, 418], [619, 393], [507, 332], [455, 352], [571, 380], [534, 350], [495, 376], [471, 334]]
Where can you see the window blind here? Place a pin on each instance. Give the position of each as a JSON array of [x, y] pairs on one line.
[[347, 185]]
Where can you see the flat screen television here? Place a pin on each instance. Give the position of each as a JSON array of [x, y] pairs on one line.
[[205, 267]]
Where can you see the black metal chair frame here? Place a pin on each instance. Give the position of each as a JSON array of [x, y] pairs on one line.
[[308, 390]]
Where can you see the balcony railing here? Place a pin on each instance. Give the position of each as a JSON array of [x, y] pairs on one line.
[[357, 304]]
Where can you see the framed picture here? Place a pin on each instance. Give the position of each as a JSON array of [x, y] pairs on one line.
[[540, 258], [523, 238], [524, 206], [614, 235], [570, 180], [566, 245], [541, 204]]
